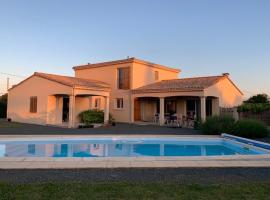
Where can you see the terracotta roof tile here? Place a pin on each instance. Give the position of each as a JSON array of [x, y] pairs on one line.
[[74, 82], [183, 84]]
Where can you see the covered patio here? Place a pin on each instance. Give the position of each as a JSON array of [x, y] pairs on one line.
[[64, 109], [180, 101], [174, 109], [65, 104]]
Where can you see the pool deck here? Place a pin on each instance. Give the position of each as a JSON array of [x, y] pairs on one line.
[[128, 162]]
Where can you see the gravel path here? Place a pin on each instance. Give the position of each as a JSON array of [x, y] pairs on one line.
[[182, 175]]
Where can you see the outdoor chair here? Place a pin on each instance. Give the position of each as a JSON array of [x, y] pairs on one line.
[[156, 118]]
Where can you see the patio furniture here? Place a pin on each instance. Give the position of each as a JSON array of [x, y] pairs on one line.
[[190, 119], [156, 118]]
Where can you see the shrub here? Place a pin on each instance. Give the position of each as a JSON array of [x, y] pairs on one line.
[[254, 107], [93, 116], [217, 125], [259, 98], [250, 128]]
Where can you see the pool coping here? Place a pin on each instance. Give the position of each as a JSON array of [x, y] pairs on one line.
[[128, 162]]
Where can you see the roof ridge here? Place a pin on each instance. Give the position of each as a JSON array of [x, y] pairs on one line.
[[121, 61], [195, 77]]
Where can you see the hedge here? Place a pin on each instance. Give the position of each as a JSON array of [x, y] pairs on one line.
[[217, 125], [254, 107], [248, 128]]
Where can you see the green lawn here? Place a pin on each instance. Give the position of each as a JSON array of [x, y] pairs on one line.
[[6, 124], [134, 191]]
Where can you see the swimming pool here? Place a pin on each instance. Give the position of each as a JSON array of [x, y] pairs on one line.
[[127, 147]]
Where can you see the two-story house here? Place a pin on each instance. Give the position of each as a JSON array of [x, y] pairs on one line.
[[130, 89]]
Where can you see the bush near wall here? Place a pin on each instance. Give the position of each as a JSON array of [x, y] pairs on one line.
[[248, 128], [218, 124], [93, 116]]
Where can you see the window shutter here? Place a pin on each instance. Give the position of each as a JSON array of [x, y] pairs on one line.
[[33, 104]]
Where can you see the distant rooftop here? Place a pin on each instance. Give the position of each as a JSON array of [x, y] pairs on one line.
[[127, 60]]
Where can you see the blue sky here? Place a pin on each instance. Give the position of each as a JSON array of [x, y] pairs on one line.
[[201, 37]]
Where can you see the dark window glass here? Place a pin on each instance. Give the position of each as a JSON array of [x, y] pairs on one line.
[[124, 78]]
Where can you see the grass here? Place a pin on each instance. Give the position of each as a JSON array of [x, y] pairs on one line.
[[6, 124], [134, 191]]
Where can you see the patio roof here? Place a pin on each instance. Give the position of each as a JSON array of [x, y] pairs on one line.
[[75, 82], [71, 81], [183, 84]]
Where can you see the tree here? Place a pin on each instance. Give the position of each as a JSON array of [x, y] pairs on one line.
[[259, 98], [3, 106]]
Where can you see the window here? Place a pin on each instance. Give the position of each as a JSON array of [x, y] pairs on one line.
[[123, 79], [156, 75], [31, 149], [33, 104], [119, 103], [97, 103]]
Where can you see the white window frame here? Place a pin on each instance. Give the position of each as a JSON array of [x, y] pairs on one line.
[[121, 104], [98, 101]]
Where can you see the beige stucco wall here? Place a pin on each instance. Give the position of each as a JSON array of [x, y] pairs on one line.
[[108, 74], [81, 104], [19, 100], [49, 101], [140, 75], [143, 75], [54, 109], [227, 93]]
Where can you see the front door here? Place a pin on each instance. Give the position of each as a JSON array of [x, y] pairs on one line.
[[65, 111], [137, 110]]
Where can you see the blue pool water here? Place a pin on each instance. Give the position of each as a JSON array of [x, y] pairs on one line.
[[129, 147]]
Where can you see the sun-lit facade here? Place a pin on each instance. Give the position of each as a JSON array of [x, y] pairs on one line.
[[132, 90]]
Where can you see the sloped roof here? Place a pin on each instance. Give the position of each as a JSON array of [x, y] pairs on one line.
[[123, 61], [74, 82], [71, 81], [183, 84]]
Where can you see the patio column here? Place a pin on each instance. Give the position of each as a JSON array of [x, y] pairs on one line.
[[161, 111], [57, 110], [131, 109], [107, 110], [71, 117], [203, 108]]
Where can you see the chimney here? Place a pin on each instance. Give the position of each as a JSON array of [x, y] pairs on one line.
[[226, 74]]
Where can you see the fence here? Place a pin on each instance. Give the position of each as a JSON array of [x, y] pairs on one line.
[[264, 116], [229, 112]]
